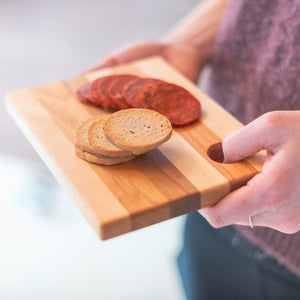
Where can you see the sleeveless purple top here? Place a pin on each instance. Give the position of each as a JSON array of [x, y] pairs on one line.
[[255, 69]]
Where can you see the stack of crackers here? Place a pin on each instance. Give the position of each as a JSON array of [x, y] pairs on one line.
[[121, 136]]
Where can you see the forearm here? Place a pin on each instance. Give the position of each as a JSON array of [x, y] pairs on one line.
[[200, 26]]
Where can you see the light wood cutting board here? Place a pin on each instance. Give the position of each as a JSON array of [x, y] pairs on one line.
[[177, 178]]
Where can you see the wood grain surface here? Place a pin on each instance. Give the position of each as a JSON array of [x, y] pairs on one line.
[[176, 178]]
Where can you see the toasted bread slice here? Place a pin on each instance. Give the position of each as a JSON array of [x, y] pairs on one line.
[[81, 133], [137, 130], [101, 159], [99, 144]]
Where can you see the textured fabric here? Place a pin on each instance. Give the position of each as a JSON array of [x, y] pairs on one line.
[[256, 69], [256, 63]]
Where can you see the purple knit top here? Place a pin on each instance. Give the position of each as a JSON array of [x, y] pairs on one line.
[[256, 69]]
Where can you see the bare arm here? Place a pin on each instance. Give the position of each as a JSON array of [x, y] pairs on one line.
[[199, 28]]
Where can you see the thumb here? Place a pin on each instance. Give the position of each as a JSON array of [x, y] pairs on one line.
[[264, 133]]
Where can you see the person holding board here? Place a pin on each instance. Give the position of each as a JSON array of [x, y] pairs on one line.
[[246, 246]]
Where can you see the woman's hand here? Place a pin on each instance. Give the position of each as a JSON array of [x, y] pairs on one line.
[[271, 198], [187, 59]]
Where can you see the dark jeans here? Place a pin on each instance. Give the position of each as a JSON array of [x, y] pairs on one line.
[[218, 264]]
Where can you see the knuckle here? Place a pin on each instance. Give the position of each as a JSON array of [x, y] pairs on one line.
[[271, 125], [275, 127], [272, 120]]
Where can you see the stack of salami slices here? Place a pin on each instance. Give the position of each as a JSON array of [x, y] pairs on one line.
[[122, 91]]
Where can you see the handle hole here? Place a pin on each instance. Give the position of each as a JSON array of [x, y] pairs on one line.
[[215, 152]]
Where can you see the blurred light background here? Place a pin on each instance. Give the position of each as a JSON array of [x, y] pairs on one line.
[[47, 249]]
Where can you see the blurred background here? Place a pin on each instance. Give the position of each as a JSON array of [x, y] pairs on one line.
[[47, 249]]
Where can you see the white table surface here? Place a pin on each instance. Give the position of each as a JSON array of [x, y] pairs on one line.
[[49, 251]]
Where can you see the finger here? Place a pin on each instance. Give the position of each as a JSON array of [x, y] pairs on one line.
[[265, 219], [264, 133], [278, 221], [263, 198], [237, 206], [273, 220]]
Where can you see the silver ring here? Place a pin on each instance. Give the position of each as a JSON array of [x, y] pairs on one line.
[[250, 222]]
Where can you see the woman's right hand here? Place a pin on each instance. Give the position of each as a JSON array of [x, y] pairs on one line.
[[186, 59]]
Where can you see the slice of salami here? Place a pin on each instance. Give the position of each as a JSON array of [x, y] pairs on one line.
[[116, 91], [95, 89], [100, 91], [132, 90], [173, 101], [80, 93], [104, 91], [87, 93], [83, 94]]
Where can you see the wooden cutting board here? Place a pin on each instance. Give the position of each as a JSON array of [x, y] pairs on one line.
[[177, 178]]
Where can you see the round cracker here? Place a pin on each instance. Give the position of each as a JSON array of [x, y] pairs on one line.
[[98, 142], [137, 130], [102, 160], [81, 133]]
